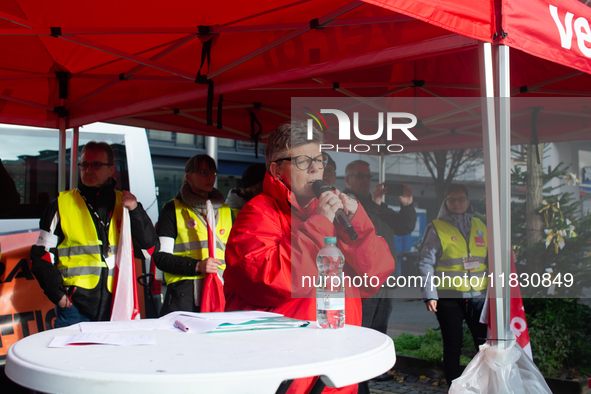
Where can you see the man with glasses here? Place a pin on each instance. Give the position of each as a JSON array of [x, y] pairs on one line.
[[454, 249], [183, 230], [74, 258], [377, 309]]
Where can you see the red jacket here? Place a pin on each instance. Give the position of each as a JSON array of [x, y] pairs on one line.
[[271, 231]]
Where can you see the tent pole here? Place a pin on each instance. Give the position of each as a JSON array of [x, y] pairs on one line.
[[74, 158], [211, 145], [504, 93], [61, 158], [492, 189]]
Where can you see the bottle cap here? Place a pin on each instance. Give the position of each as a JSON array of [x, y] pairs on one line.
[[330, 240]]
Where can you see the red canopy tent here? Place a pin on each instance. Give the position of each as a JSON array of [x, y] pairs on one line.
[[165, 66]]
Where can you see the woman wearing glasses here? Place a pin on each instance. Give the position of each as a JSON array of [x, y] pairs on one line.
[[278, 234], [183, 231]]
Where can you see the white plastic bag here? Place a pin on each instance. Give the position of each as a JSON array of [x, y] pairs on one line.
[[495, 371]]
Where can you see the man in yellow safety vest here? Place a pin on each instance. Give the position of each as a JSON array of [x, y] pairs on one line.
[[453, 266], [183, 229], [74, 258]]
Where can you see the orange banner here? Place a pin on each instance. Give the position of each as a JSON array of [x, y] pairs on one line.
[[24, 309]]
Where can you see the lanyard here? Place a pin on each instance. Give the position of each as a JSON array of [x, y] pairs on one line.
[[106, 246]]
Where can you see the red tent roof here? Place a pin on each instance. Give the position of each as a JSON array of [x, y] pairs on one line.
[[137, 63]]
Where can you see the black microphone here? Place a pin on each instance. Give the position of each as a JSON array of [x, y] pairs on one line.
[[320, 187]]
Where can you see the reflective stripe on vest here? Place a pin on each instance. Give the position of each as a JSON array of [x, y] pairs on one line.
[[455, 249], [191, 240], [80, 261]]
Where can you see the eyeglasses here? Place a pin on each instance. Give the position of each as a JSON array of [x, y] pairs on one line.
[[95, 165], [461, 200], [206, 173], [329, 171], [361, 175], [304, 162]]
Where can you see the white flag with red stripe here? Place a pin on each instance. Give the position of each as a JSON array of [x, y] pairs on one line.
[[125, 299]]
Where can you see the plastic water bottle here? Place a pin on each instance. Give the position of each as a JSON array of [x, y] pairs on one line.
[[330, 291]]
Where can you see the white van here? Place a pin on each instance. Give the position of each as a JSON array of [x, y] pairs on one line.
[[30, 155]]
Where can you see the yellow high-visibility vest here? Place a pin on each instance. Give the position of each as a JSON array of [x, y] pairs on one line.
[[79, 255], [191, 239], [455, 250]]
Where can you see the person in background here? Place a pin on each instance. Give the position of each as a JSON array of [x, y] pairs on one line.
[[455, 245], [388, 223], [182, 228], [278, 234], [252, 185], [10, 199], [74, 258], [330, 172]]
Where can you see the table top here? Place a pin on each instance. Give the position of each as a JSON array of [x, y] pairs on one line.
[[226, 362]]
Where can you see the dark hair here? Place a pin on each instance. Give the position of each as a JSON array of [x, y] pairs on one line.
[[195, 162], [100, 147], [330, 161], [254, 173], [454, 188]]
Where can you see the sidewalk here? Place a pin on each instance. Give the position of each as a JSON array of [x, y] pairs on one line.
[[404, 383]]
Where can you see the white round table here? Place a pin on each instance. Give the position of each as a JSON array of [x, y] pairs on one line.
[[226, 362]]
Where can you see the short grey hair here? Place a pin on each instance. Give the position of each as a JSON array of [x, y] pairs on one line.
[[351, 166], [287, 136]]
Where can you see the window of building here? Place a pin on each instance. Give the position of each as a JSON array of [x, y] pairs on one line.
[[186, 139], [227, 143], [158, 135]]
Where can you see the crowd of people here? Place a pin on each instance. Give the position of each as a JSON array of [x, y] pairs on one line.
[[265, 238]]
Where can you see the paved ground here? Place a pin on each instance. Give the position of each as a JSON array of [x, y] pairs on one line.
[[409, 384]]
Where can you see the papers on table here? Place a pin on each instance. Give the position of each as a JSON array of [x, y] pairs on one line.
[[101, 333], [198, 323], [98, 338]]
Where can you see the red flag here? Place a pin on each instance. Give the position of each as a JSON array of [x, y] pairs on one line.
[[517, 313], [125, 300], [212, 298], [518, 323]]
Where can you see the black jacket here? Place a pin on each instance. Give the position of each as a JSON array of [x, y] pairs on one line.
[[388, 222], [93, 303]]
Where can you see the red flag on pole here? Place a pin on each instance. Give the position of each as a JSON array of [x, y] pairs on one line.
[[125, 300], [518, 323], [212, 298]]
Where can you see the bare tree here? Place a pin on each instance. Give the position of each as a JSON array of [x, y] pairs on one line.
[[445, 165]]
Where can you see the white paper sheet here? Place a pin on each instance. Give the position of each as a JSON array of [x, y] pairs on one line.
[[145, 324], [97, 338]]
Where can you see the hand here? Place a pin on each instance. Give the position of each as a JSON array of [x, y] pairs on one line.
[[406, 198], [328, 204], [208, 266], [349, 205], [378, 193], [64, 302], [128, 200], [431, 305]]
